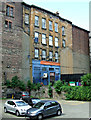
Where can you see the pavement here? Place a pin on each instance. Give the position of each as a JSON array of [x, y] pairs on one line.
[[71, 110]]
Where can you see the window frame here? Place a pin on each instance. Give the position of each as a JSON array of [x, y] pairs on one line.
[[26, 20], [50, 25], [36, 37], [56, 42], [44, 23], [56, 27], [63, 42], [50, 56], [56, 56], [44, 39], [36, 56], [63, 30], [10, 10], [44, 56], [50, 40], [37, 25], [8, 24]]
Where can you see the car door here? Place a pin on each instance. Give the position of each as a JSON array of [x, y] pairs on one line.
[[47, 109], [8, 105], [12, 106], [54, 107]]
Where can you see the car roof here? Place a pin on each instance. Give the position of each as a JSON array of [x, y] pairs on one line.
[[21, 91], [35, 98], [14, 100], [45, 101]]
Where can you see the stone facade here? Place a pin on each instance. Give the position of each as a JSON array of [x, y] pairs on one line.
[[18, 42]]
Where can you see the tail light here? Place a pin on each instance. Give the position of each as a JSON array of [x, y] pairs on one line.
[[23, 95]]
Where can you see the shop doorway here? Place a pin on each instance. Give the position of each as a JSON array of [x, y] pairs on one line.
[[52, 77]]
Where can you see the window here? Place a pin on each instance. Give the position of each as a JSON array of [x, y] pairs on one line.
[[63, 31], [36, 53], [50, 25], [50, 55], [63, 43], [36, 21], [51, 69], [11, 103], [54, 103], [8, 24], [36, 37], [43, 39], [56, 57], [56, 42], [26, 19], [50, 40], [43, 23], [9, 11], [56, 27], [47, 105], [43, 54]]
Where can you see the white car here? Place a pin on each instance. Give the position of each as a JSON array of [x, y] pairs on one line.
[[19, 107]]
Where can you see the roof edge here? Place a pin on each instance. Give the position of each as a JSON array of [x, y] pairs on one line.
[[80, 28], [34, 6]]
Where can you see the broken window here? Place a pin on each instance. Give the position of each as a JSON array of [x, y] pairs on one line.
[[26, 19]]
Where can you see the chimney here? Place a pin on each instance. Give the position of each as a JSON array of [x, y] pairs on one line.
[[57, 13]]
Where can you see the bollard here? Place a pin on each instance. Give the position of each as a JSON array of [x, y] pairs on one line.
[[12, 96]]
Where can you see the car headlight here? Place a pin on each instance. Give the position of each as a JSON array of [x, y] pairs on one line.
[[33, 112], [23, 110]]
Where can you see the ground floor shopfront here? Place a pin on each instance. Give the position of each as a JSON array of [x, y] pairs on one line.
[[45, 72]]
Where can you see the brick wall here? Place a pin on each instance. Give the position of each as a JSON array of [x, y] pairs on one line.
[[80, 50], [12, 43], [80, 40]]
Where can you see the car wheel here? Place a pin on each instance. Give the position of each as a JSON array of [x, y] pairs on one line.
[[40, 117], [59, 112], [5, 110], [17, 113]]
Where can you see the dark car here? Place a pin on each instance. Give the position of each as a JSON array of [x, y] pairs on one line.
[[35, 100], [29, 101], [44, 108], [21, 95]]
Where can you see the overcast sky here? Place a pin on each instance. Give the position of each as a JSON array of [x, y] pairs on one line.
[[75, 11]]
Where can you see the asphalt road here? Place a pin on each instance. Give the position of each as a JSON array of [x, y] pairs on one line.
[[71, 109]]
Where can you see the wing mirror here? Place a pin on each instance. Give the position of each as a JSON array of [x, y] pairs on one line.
[[14, 105]]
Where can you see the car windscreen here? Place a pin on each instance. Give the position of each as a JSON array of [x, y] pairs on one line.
[[38, 105], [21, 103], [26, 93]]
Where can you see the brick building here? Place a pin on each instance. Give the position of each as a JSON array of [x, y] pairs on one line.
[[41, 45], [13, 48], [80, 50]]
